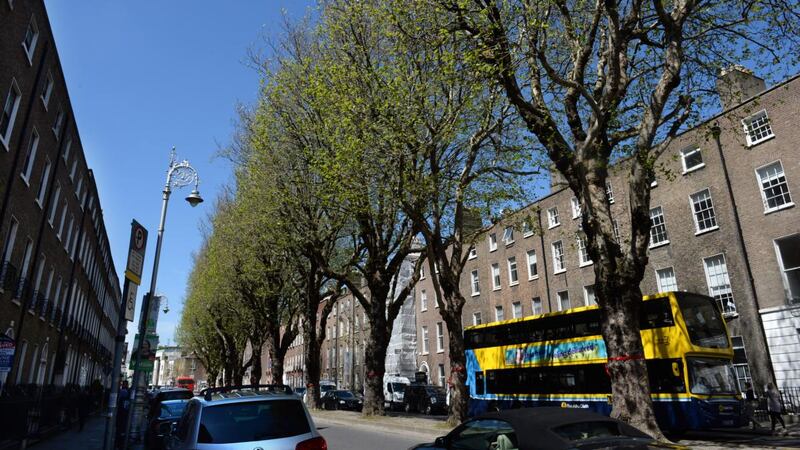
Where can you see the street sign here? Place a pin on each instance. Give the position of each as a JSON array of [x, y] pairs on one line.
[[7, 347], [130, 301], [133, 269], [148, 354]]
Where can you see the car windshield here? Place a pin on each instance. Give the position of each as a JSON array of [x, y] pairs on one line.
[[252, 421], [344, 394], [326, 388], [711, 376], [172, 409], [703, 321]]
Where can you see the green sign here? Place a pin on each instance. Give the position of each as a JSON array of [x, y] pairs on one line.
[[148, 354]]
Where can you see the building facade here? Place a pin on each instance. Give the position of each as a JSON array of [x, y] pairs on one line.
[[173, 362], [723, 222], [59, 292]]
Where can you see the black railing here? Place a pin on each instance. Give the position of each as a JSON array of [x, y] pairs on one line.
[[790, 403]]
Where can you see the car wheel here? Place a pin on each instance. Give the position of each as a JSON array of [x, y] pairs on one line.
[[408, 408], [429, 409]]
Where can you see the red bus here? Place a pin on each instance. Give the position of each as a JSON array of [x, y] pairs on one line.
[[185, 382]]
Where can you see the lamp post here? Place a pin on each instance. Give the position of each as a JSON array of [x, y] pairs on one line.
[[179, 174]]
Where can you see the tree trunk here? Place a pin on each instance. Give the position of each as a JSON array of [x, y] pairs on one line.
[[630, 387], [375, 365], [277, 365], [459, 395], [256, 372]]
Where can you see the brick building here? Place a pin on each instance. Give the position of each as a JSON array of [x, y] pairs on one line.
[[173, 361], [59, 292], [723, 223]]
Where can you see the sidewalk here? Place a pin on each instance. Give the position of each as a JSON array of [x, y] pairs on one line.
[[91, 438]]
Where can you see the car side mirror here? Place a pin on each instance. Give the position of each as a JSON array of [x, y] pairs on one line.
[[440, 442], [165, 428]]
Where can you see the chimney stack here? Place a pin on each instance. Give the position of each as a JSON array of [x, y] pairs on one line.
[[736, 84]]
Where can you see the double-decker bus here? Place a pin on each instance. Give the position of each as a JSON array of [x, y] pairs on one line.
[[559, 359], [185, 382]]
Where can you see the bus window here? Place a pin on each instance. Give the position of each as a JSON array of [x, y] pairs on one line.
[[479, 383], [711, 376], [703, 321], [656, 313], [666, 376]]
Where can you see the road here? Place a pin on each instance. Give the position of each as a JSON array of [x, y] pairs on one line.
[[341, 437]]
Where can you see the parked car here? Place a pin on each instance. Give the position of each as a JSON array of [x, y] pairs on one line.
[[424, 398], [342, 400], [169, 413], [393, 388], [300, 391], [543, 427], [162, 395], [248, 417]]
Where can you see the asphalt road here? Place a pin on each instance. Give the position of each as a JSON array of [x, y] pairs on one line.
[[341, 437]]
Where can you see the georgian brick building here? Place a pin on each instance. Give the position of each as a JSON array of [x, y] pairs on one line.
[[59, 292]]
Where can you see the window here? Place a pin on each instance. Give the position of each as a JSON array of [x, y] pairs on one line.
[[513, 277], [422, 272], [609, 192], [10, 108], [563, 301], [533, 272], [69, 232], [498, 313], [558, 257], [54, 205], [47, 90], [740, 367], [508, 235], [495, 277], [774, 189], [576, 208], [536, 305], [658, 228], [63, 219], [473, 253], [492, 242], [74, 168], [476, 318], [527, 229], [439, 337], [43, 184], [703, 208], [67, 147], [552, 217], [583, 252], [475, 282], [691, 159], [516, 310], [665, 278], [615, 227], [424, 340], [719, 285], [423, 300], [59, 123], [78, 189], [11, 237], [788, 250], [757, 128], [30, 157], [589, 296], [441, 375], [31, 36]]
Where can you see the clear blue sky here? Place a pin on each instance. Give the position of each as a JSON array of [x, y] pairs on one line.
[[144, 76]]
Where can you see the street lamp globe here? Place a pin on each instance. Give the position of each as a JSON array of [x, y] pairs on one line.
[[194, 198]]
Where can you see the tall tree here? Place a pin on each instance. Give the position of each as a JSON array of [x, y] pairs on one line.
[[598, 80]]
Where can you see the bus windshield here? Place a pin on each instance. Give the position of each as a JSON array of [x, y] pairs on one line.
[[703, 321], [711, 376]]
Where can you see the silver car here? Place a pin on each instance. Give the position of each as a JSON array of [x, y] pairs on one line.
[[246, 420]]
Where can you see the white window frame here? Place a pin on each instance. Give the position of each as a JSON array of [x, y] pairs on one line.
[[42, 192], [73, 170], [552, 217], [792, 297], [516, 310], [712, 290], [58, 125], [508, 235], [586, 291], [12, 114], [439, 337], [747, 121], [423, 300], [425, 340], [687, 152], [473, 253], [476, 318], [693, 203], [583, 252], [48, 89], [496, 282], [30, 157], [665, 241], [67, 148], [557, 248], [30, 50], [762, 190], [609, 193], [576, 207], [560, 300], [536, 306], [513, 271], [492, 242], [532, 262], [54, 208], [527, 229], [11, 238], [475, 283], [662, 287], [499, 314]]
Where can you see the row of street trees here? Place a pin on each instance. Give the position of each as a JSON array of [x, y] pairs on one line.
[[385, 126]]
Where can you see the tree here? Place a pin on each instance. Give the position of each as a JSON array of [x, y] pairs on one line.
[[598, 81]]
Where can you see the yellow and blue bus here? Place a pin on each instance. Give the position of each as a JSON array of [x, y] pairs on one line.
[[559, 359]]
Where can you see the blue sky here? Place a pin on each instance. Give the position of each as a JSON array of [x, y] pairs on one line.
[[144, 76]]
